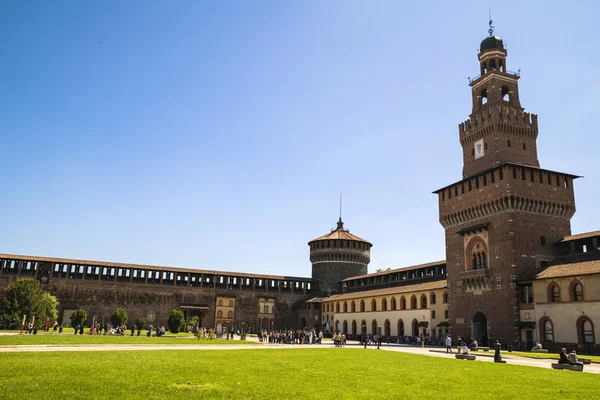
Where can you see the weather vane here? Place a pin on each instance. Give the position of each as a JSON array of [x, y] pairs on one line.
[[491, 30]]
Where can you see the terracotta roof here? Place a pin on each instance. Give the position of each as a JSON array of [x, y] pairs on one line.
[[580, 236], [566, 268], [149, 267], [340, 233], [390, 290], [402, 269]]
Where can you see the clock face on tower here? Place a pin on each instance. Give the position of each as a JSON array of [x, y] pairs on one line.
[[479, 149]]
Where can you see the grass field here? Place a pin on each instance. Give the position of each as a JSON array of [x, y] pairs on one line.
[[278, 374], [72, 339], [549, 356]]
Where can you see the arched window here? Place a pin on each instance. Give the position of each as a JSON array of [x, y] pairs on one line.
[[345, 307], [554, 293], [230, 314], [400, 328], [432, 298], [387, 328], [353, 306], [230, 303], [547, 328], [402, 303], [476, 255], [505, 93], [373, 305], [345, 326], [384, 304], [576, 291], [362, 306], [413, 302], [393, 303], [445, 299], [484, 95], [354, 327], [220, 302], [585, 330], [423, 301], [219, 314], [337, 307], [374, 327]]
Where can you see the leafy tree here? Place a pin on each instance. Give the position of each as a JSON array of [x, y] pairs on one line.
[[176, 321], [26, 297], [140, 323], [79, 316], [50, 307], [383, 270], [195, 322], [119, 317]]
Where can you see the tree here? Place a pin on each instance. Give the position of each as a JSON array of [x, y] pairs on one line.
[[26, 297], [195, 322], [140, 323], [79, 316], [383, 270], [119, 317], [176, 321]]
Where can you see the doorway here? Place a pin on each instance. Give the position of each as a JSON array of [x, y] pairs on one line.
[[480, 328]]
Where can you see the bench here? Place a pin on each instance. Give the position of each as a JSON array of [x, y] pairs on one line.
[[539, 350], [464, 357], [480, 348], [572, 367], [585, 360]]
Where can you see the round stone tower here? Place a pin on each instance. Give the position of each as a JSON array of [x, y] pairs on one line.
[[338, 255]]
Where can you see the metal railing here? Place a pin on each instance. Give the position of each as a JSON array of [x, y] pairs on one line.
[[473, 79]]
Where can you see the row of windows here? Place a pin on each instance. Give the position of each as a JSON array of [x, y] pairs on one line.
[[584, 326], [61, 270], [575, 292], [354, 328], [483, 179], [343, 307], [338, 244], [229, 314]]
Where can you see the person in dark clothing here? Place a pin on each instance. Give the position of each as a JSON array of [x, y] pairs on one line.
[[563, 357]]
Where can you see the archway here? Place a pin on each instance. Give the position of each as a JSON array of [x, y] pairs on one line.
[[387, 328], [303, 322], [400, 328], [374, 327], [363, 327], [480, 328], [415, 327], [353, 328], [345, 327]]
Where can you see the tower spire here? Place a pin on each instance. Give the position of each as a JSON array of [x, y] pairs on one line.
[[340, 224], [491, 30]]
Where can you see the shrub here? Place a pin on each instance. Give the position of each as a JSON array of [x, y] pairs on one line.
[[79, 316], [140, 323], [119, 317], [176, 321]]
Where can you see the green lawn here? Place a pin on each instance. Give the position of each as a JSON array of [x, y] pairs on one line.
[[72, 339], [350, 373], [549, 356]]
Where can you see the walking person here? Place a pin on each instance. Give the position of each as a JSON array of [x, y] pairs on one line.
[[448, 345]]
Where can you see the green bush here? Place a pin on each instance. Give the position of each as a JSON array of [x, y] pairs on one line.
[[176, 321], [26, 297], [119, 317], [79, 316], [140, 323]]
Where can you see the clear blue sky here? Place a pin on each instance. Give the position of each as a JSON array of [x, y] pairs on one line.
[[218, 135]]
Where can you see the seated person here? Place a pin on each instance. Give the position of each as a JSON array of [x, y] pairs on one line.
[[572, 357], [563, 357], [538, 346]]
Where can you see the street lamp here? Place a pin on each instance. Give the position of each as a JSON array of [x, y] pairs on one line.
[[243, 335]]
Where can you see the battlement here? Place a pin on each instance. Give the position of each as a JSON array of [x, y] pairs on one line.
[[498, 114]]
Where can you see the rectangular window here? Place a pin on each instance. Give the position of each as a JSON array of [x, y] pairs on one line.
[[470, 187], [532, 177], [477, 183], [501, 174], [541, 177], [432, 314], [527, 294], [493, 177], [462, 187], [456, 190], [446, 314], [484, 179], [514, 169], [523, 173], [450, 193]]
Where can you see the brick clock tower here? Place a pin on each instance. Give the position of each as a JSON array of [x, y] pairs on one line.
[[502, 217]]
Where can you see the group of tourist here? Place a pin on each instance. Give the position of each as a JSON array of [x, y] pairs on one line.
[[300, 336], [570, 358]]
